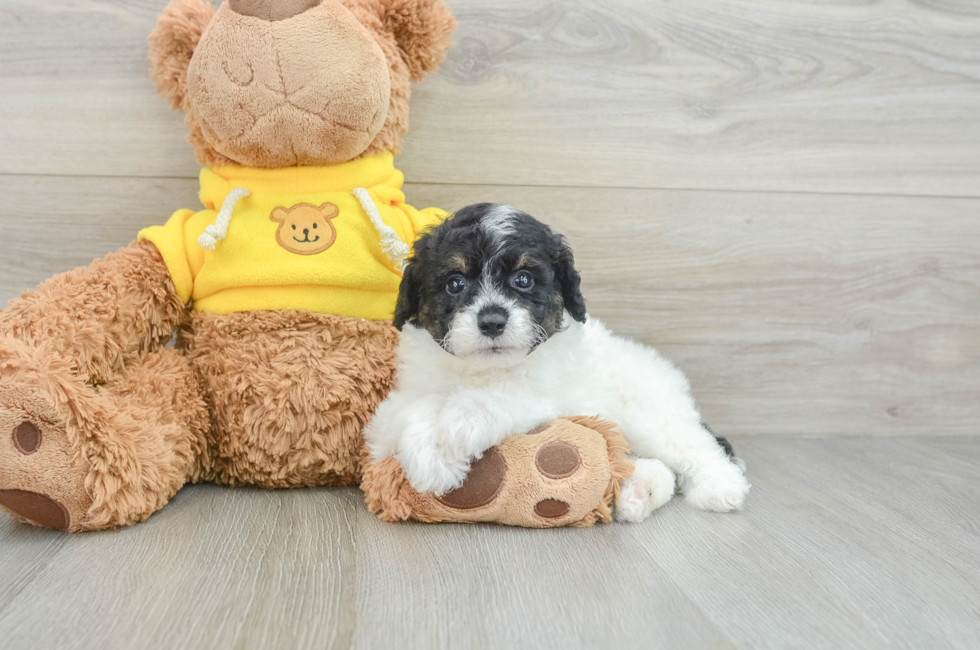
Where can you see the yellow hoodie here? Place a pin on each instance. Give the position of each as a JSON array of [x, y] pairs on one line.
[[311, 238]]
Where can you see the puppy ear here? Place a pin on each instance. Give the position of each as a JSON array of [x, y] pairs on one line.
[[410, 291], [421, 29], [569, 280], [172, 43]]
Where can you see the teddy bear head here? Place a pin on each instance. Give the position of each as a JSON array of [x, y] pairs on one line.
[[280, 83]]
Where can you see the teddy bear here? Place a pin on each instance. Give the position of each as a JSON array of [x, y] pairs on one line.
[[279, 293]]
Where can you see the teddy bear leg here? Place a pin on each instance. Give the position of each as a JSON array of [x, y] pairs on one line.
[[76, 457], [290, 393]]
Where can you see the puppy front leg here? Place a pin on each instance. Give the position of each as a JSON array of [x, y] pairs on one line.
[[429, 465], [651, 486], [472, 421]]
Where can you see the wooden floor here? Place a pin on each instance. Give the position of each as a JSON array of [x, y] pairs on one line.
[[845, 543], [782, 196]]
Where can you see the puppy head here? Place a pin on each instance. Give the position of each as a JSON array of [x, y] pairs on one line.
[[490, 284]]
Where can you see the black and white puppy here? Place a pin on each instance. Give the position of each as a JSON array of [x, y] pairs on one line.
[[496, 340]]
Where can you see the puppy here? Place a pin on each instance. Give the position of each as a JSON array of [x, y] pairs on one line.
[[496, 340]]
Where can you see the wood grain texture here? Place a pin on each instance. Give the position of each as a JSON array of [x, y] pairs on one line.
[[217, 568], [836, 96], [791, 313], [856, 543]]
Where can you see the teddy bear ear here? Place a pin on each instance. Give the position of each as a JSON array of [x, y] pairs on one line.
[[328, 210], [172, 44], [421, 29], [279, 214]]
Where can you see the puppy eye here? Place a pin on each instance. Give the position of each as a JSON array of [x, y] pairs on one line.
[[456, 284], [522, 281]]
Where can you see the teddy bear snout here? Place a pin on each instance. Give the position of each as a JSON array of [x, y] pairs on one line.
[[272, 10]]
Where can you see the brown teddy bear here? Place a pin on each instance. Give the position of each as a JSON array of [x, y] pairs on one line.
[[295, 108]]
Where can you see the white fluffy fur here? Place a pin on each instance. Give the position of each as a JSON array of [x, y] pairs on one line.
[[447, 409]]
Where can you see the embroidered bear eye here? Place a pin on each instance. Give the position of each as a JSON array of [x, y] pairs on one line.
[[522, 281], [456, 284], [294, 227], [314, 224]]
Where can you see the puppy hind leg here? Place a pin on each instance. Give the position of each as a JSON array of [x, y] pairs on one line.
[[727, 446], [651, 486], [706, 476]]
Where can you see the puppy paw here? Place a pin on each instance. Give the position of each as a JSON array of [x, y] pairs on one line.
[[719, 493], [429, 469], [463, 426], [651, 486]]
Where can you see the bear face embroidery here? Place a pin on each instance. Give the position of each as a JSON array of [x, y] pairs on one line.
[[306, 229]]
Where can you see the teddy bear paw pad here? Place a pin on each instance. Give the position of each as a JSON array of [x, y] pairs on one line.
[[27, 438], [482, 484], [37, 508], [40, 482], [557, 459]]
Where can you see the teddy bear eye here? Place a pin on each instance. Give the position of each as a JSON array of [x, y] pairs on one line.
[[294, 227], [314, 224]]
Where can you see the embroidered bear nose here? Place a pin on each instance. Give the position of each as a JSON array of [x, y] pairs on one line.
[[492, 321], [272, 10], [306, 231]]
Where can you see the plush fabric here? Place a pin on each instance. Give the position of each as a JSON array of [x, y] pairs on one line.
[[414, 36], [289, 393], [259, 90], [172, 44], [408, 37], [272, 10], [102, 317], [566, 473], [260, 267], [122, 425]]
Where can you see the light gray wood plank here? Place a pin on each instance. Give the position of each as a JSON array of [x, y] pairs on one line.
[[859, 543], [844, 543], [26, 553], [216, 568], [734, 94], [791, 313], [496, 587]]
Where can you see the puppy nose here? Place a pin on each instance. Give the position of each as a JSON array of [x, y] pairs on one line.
[[492, 321], [272, 10]]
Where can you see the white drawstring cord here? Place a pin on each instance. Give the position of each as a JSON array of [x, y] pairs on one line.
[[394, 248], [219, 229]]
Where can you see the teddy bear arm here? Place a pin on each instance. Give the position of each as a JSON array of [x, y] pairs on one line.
[[101, 316]]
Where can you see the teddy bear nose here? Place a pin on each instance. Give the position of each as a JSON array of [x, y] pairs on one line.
[[272, 10]]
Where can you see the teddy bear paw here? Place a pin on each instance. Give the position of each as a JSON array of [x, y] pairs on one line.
[[40, 481]]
